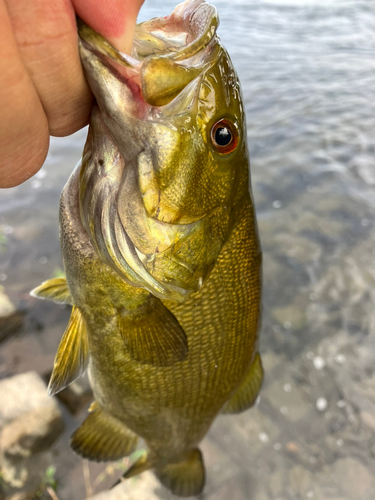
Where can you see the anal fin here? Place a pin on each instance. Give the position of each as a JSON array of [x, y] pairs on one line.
[[102, 437], [247, 392], [186, 477], [72, 354], [152, 334], [55, 289]]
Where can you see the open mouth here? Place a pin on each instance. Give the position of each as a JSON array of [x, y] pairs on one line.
[[168, 53]]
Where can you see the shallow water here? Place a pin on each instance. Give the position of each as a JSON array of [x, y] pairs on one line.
[[307, 70]]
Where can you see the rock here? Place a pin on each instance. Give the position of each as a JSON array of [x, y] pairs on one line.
[[10, 318], [21, 394], [302, 484], [31, 433], [30, 422], [368, 419], [294, 315], [144, 487], [286, 397], [354, 479]]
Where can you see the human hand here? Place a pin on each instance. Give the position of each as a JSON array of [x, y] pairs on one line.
[[43, 90]]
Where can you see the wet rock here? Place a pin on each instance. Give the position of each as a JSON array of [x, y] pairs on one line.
[[30, 424], [354, 479], [10, 318], [294, 315], [31, 433], [21, 394], [302, 484], [284, 396], [145, 487], [368, 419], [298, 248]]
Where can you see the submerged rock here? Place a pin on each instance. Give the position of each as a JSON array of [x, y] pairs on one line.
[[30, 422], [10, 318]]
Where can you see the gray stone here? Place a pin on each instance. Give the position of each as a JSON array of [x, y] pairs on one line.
[[354, 479], [21, 394], [286, 397], [10, 318], [31, 423], [144, 486], [31, 433]]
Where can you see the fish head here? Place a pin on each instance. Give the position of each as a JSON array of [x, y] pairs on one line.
[[166, 159]]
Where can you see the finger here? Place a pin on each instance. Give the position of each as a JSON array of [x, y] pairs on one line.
[[113, 19], [46, 34], [24, 137]]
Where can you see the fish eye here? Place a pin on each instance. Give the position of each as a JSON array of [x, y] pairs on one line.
[[224, 136]]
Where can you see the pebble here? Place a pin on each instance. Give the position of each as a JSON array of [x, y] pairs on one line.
[[319, 363], [263, 437], [284, 410], [340, 359], [321, 404]]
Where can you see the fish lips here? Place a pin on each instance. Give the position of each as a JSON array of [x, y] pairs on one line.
[[168, 54]]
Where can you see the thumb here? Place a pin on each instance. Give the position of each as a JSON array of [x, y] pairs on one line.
[[113, 19]]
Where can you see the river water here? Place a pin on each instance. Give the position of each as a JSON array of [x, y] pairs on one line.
[[307, 70]]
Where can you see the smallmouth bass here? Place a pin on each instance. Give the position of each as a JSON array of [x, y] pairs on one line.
[[160, 249]]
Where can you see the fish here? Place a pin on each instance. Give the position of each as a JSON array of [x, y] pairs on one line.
[[160, 249]]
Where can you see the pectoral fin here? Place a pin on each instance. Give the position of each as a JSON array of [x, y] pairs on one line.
[[72, 354], [153, 335], [102, 437], [55, 289], [248, 390]]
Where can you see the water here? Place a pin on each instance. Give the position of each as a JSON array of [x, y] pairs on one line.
[[307, 70]]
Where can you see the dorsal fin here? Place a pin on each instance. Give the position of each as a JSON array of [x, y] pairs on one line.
[[72, 354], [55, 289], [248, 391], [153, 335]]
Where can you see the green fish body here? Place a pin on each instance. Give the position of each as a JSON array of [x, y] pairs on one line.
[[160, 249]]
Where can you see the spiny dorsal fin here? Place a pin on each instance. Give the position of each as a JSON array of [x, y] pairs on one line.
[[72, 354], [248, 390], [102, 437], [153, 335], [55, 289], [186, 477]]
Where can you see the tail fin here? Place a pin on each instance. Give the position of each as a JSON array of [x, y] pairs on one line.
[[185, 478]]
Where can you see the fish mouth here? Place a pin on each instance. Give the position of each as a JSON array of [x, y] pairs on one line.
[[168, 55]]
